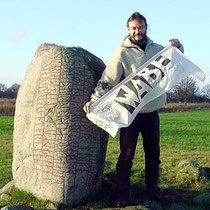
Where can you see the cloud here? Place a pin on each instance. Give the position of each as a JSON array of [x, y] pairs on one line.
[[20, 34]]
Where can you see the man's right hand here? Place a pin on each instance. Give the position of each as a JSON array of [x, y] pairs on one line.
[[86, 107]]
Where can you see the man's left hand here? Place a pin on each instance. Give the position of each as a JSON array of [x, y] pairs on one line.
[[175, 42]]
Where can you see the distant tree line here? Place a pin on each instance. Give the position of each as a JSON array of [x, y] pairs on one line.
[[186, 91], [10, 92]]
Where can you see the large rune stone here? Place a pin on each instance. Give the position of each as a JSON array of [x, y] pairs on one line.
[[58, 153]]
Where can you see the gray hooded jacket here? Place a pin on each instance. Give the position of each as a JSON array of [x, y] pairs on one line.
[[125, 60]]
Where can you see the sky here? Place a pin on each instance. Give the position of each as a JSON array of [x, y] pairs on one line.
[[99, 27]]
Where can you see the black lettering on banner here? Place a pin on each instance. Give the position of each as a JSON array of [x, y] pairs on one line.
[[142, 79], [139, 87], [121, 93], [151, 67], [127, 106], [143, 94], [166, 62], [131, 86], [153, 76], [158, 58], [136, 103]]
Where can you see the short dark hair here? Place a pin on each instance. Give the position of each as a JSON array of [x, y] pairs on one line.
[[137, 15]]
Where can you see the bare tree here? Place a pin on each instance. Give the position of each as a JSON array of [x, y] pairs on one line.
[[12, 91], [206, 91], [186, 90], [3, 89]]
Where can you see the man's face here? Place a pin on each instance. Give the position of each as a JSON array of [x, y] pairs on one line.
[[137, 30]]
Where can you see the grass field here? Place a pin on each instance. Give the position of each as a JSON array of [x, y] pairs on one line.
[[184, 135], [6, 130]]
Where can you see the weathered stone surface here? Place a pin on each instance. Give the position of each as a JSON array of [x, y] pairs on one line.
[[58, 153], [7, 187], [185, 163], [174, 206], [203, 199], [108, 191], [137, 189], [153, 205], [135, 207], [205, 189], [169, 191], [17, 207], [52, 206]]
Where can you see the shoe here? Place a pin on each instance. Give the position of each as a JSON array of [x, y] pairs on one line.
[[121, 203]]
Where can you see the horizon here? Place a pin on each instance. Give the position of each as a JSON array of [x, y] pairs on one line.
[[98, 27]]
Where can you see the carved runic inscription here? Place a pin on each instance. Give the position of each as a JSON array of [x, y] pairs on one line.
[[58, 153], [60, 142]]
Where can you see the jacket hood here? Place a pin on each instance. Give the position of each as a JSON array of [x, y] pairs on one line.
[[129, 44]]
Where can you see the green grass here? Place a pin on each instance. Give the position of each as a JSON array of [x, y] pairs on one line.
[[23, 198], [6, 130], [17, 196], [6, 125], [187, 130], [184, 136]]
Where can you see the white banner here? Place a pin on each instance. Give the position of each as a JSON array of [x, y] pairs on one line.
[[118, 107]]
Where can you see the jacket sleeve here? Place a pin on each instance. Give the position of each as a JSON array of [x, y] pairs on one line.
[[111, 76]]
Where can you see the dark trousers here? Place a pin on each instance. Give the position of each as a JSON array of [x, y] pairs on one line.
[[148, 125]]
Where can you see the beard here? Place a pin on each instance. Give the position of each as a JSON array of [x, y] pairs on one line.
[[138, 39]]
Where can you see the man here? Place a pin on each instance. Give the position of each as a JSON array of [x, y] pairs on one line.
[[134, 51]]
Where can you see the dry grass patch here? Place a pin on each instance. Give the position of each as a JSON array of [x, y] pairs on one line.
[[7, 106], [172, 107]]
